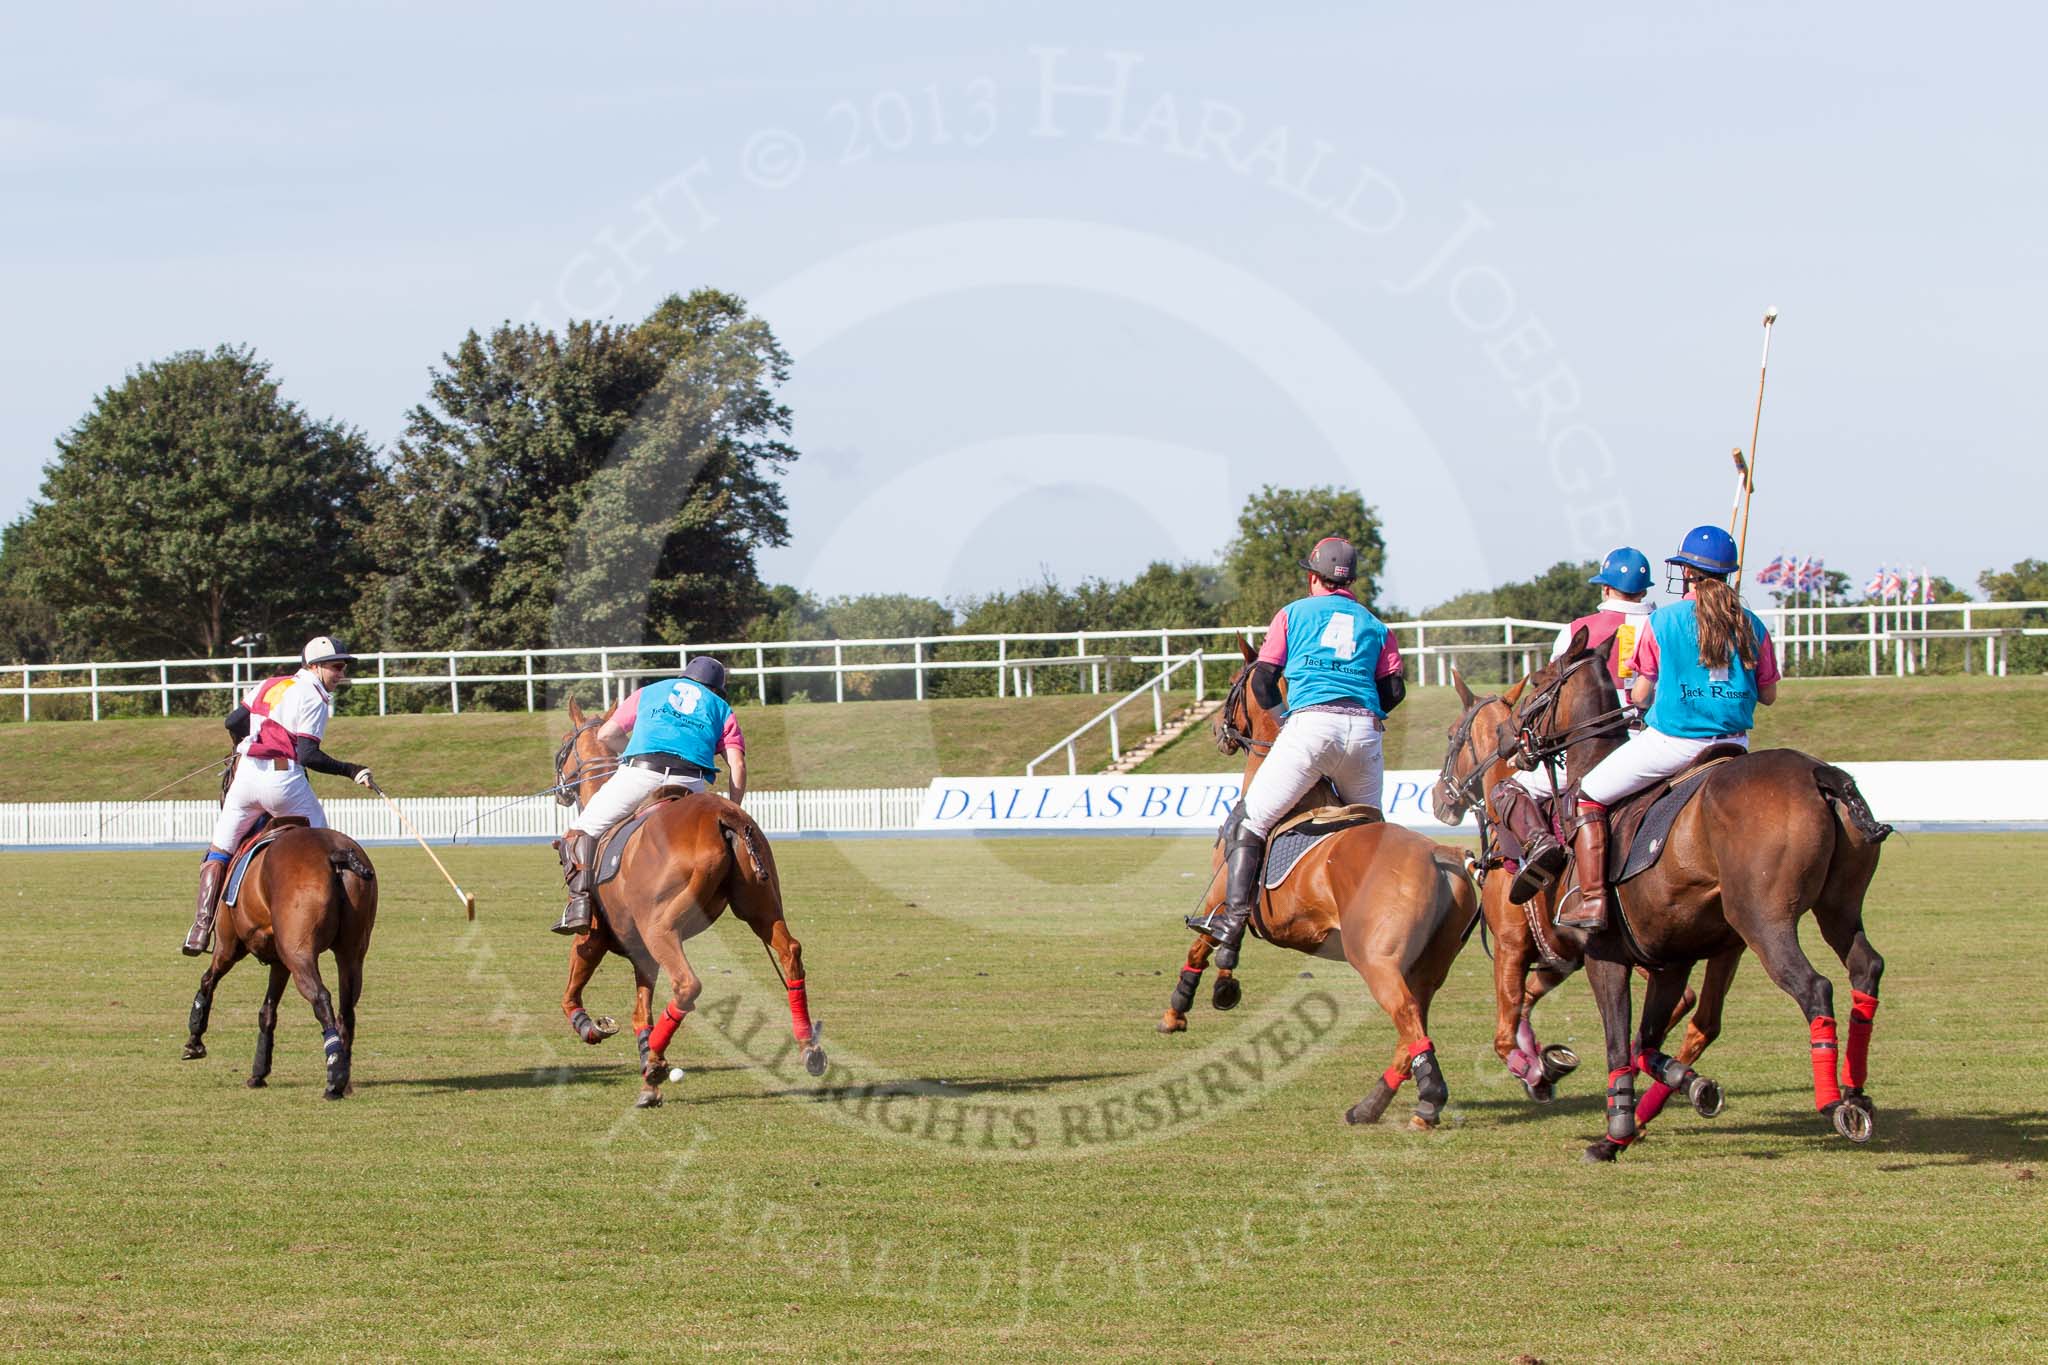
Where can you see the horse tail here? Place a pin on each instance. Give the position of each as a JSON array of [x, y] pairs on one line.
[[355, 881], [1841, 791], [748, 844]]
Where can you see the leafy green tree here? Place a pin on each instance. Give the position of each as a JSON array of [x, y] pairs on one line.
[[2026, 581], [1276, 531], [191, 504], [608, 485]]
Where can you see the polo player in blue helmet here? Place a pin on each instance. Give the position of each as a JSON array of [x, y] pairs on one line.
[[1624, 581], [1343, 673], [1701, 669], [668, 734]]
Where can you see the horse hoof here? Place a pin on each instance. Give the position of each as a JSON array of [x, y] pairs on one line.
[[1603, 1150], [257, 1083], [814, 1061], [647, 1099], [1860, 1100], [1558, 1061], [1226, 993], [1369, 1109], [1418, 1124], [1543, 1092], [330, 1093], [1853, 1122], [194, 1051], [1173, 1021], [1707, 1098]]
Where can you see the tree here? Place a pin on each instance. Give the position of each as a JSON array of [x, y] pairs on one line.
[[2026, 581], [609, 485], [1276, 531], [191, 504]]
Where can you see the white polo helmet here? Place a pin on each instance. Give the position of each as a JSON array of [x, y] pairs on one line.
[[324, 649]]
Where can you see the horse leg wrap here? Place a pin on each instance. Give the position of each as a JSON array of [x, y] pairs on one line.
[[195, 1022], [330, 1043], [580, 1021], [799, 1011], [640, 1036], [1183, 998], [1666, 1075], [1827, 1091], [1430, 1090], [1621, 1106], [1856, 1061], [665, 1029]]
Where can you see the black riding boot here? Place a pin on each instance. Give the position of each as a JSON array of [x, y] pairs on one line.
[[1543, 857], [578, 852], [1242, 857], [211, 873]]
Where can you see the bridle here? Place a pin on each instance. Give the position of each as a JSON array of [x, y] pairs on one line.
[[1464, 792], [1536, 742], [1237, 704], [567, 779]]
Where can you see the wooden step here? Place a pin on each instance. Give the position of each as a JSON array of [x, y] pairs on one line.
[[1186, 719]]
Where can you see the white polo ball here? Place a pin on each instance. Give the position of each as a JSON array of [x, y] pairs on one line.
[[675, 1073]]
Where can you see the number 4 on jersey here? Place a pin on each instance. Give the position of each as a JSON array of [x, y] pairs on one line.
[[1337, 636]]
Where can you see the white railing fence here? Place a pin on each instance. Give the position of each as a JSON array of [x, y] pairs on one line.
[[1902, 638], [542, 676], [1196, 663], [440, 819]]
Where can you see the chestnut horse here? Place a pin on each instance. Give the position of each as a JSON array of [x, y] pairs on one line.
[[1385, 899], [1532, 956], [307, 892], [1769, 835], [681, 868]]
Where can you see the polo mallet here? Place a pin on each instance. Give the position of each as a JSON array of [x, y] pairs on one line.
[[1741, 482], [141, 800], [468, 901], [1749, 476]]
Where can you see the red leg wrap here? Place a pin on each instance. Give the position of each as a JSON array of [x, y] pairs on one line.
[[665, 1028], [1652, 1102], [799, 1012], [1862, 1017], [1826, 1089], [1393, 1076]]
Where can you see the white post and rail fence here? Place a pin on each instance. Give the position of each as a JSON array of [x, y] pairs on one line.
[[1893, 639]]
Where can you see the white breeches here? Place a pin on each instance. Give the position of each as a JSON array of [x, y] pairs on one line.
[[1648, 756], [1345, 749], [622, 794], [275, 785], [1536, 782]]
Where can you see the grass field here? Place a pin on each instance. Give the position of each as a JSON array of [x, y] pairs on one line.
[[981, 1187], [888, 743], [1845, 720]]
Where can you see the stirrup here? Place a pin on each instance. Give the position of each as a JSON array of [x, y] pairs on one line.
[[1576, 899], [205, 938], [575, 918]]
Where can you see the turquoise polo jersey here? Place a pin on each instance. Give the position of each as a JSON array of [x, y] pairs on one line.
[[1333, 651], [1694, 701], [680, 717]]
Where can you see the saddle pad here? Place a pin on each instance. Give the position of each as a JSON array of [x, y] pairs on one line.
[[1637, 853], [267, 829], [1287, 848], [613, 850]]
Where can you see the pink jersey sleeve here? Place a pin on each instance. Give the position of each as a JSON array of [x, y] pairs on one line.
[[627, 714], [1643, 663], [1767, 670], [731, 739], [1390, 658], [1274, 650]]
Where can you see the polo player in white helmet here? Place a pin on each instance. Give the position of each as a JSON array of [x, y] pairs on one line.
[[277, 730]]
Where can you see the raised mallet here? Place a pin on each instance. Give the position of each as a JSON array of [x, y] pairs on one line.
[[1749, 477], [468, 901]]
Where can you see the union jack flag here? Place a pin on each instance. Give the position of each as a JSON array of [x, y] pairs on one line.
[[1875, 587], [1894, 584], [1812, 574], [1773, 572]]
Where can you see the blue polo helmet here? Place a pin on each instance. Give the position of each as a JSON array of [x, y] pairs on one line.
[[1709, 549], [1626, 569]]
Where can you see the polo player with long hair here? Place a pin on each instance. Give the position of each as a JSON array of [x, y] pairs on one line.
[[277, 729], [1701, 669], [1343, 675], [668, 733]]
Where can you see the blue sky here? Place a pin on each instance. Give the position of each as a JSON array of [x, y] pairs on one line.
[[1065, 284]]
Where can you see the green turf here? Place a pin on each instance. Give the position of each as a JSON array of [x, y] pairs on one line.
[[489, 1195], [1845, 720], [858, 744]]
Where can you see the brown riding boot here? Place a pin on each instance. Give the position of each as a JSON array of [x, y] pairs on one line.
[[1543, 857], [211, 873], [1589, 853], [578, 852]]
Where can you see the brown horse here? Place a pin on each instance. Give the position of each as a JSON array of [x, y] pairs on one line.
[[1768, 836], [1532, 956], [1381, 897], [681, 868], [307, 892]]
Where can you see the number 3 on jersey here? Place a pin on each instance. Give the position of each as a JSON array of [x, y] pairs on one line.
[[1337, 636]]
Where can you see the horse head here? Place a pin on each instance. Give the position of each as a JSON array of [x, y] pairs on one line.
[[583, 762], [1473, 755], [1567, 708], [1243, 724]]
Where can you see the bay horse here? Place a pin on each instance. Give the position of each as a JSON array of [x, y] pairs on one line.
[[680, 869], [1381, 897], [1532, 956], [1768, 836], [307, 892]]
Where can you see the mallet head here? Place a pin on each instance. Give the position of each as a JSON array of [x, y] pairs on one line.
[[1770, 315]]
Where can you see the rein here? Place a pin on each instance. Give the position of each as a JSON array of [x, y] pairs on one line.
[[1537, 744], [1229, 738], [1464, 791], [568, 779]]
